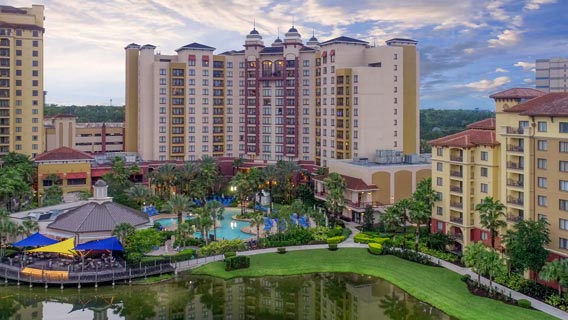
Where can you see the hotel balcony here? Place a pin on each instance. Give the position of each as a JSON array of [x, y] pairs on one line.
[[515, 130], [456, 205], [456, 236], [515, 183], [515, 166], [515, 201], [514, 218], [458, 174], [515, 148], [458, 220], [456, 189], [456, 158]]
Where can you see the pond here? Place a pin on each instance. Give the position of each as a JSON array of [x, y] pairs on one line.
[[315, 296]]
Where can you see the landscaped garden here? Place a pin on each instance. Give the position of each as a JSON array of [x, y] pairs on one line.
[[437, 286]]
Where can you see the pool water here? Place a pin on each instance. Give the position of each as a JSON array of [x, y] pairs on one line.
[[229, 229]]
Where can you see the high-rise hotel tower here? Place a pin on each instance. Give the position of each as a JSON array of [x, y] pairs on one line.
[[340, 99]]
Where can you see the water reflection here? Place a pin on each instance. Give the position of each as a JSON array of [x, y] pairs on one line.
[[316, 296]]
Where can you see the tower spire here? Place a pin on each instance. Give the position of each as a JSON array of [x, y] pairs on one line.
[[254, 23]]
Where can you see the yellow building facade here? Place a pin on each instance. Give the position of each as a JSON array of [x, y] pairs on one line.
[[21, 80], [73, 167]]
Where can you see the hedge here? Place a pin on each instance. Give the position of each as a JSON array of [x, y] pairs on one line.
[[335, 240], [524, 303], [281, 250], [375, 248], [363, 237], [332, 246], [237, 262], [230, 254]]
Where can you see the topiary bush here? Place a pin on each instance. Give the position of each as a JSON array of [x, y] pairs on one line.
[[335, 240], [230, 254], [237, 262], [368, 237], [523, 303], [332, 246], [375, 248], [220, 247], [281, 250]]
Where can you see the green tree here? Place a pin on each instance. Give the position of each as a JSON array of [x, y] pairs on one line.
[[425, 194], [391, 218], [53, 196], [256, 221], [29, 227], [472, 256], [242, 187], [139, 193], [404, 208], [335, 185], [118, 179], [525, 245], [419, 214], [141, 242], [179, 205], [123, 231], [556, 270], [215, 209], [7, 228], [165, 179], [368, 218], [208, 174], [492, 265], [184, 232], [187, 176], [237, 164], [491, 212], [203, 221], [285, 172], [270, 175]]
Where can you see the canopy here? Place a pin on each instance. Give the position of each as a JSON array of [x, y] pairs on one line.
[[111, 243], [35, 240], [64, 247]]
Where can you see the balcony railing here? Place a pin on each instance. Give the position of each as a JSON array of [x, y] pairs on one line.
[[456, 189], [517, 201], [514, 218], [458, 205], [515, 183], [456, 158], [515, 148], [514, 165], [458, 174], [353, 204], [512, 130], [456, 220], [456, 236]]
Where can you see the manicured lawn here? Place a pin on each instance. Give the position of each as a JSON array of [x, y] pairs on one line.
[[437, 286]]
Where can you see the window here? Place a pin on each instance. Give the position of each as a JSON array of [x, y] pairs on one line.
[[563, 146], [542, 217], [484, 187], [563, 224], [484, 155], [563, 205], [162, 72], [439, 152], [563, 243], [564, 166], [439, 181], [440, 196], [542, 145], [484, 172], [483, 235], [542, 163], [439, 211], [440, 166], [542, 126], [542, 182], [563, 185], [542, 201], [563, 127]]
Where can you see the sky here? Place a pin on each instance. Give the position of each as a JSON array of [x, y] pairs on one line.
[[468, 48]]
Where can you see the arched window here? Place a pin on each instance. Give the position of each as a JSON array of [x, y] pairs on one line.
[[267, 68]]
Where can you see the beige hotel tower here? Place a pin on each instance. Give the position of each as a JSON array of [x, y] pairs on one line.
[[338, 99], [21, 80]]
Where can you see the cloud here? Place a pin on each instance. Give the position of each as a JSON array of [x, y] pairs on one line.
[[501, 70], [507, 38], [468, 50], [535, 4], [527, 66], [486, 84], [528, 80]]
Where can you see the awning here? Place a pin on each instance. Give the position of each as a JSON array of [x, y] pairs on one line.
[[205, 58], [77, 175], [111, 244], [332, 52], [35, 240], [324, 54], [191, 57], [60, 175], [63, 247]]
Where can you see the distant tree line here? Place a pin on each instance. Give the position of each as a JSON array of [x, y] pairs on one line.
[[436, 123], [88, 113]]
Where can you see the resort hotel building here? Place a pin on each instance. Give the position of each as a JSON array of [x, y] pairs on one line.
[[519, 158], [290, 100], [21, 80], [551, 75]]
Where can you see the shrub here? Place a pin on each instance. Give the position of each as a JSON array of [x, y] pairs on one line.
[[319, 233], [368, 237], [437, 241], [440, 254], [237, 262], [375, 248], [554, 300], [523, 303], [337, 231], [230, 254], [332, 246], [335, 240], [465, 278], [186, 254], [220, 247], [281, 250], [408, 255]]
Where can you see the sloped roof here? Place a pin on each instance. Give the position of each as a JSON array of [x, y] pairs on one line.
[[550, 104], [98, 217], [228, 53], [467, 139], [195, 45], [351, 182], [485, 124], [518, 93], [343, 39], [63, 153], [272, 50]]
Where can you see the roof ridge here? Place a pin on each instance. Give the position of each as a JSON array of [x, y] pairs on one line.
[[86, 216]]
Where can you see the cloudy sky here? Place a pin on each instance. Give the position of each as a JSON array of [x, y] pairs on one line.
[[469, 48]]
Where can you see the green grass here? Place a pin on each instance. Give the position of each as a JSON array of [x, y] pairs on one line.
[[439, 287]]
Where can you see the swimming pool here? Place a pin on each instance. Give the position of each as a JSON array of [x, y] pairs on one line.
[[229, 228]]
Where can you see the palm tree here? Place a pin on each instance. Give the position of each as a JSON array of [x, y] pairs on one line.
[[555, 270], [472, 257], [187, 174], [270, 175], [335, 185], [7, 228], [123, 231], [419, 213], [184, 230], [240, 182], [492, 265], [257, 220], [490, 213], [425, 193], [391, 218], [404, 207], [139, 193], [215, 209], [29, 226], [255, 183], [178, 204], [203, 222], [208, 173], [237, 164], [166, 177]]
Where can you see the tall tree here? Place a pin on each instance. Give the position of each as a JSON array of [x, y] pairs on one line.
[[525, 245], [7, 228], [178, 205], [208, 173], [405, 207], [53, 196], [203, 222], [286, 171], [237, 164], [419, 214], [335, 185], [491, 212], [391, 218], [240, 183], [492, 265], [118, 179], [165, 177], [215, 209], [270, 175], [29, 226], [123, 231], [256, 221], [368, 218], [425, 194], [139, 193], [556, 270], [187, 176], [472, 256]]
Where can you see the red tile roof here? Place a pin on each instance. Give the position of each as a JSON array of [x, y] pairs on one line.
[[551, 104], [467, 139], [485, 124], [518, 93], [63, 153], [351, 183]]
